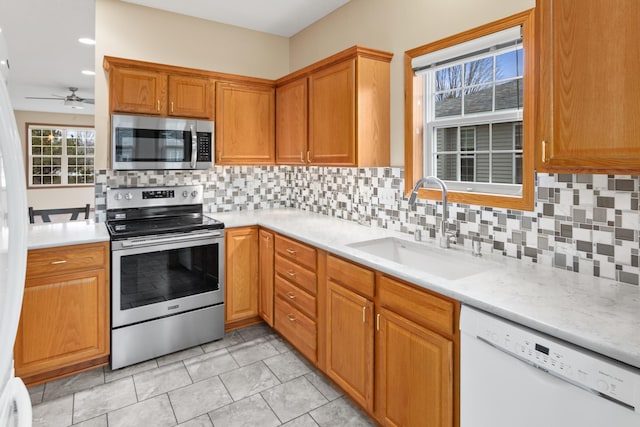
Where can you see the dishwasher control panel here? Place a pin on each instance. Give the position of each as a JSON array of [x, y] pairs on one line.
[[584, 368]]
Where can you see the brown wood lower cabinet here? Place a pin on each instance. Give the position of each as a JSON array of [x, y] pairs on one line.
[[350, 343], [241, 276], [64, 323], [391, 346], [267, 251], [414, 383]]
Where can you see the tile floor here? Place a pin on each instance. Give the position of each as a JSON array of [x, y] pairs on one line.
[[251, 377]]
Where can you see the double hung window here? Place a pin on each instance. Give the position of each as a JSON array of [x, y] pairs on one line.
[[472, 109], [60, 155]]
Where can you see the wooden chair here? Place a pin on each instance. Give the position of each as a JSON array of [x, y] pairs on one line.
[[44, 213]]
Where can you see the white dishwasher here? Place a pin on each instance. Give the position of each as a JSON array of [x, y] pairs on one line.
[[513, 376]]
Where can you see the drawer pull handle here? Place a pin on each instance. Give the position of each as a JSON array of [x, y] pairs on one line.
[[291, 251], [291, 295], [378, 322], [64, 261], [291, 273], [364, 310], [291, 317]]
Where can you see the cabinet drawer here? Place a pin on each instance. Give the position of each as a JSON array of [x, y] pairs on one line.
[[297, 328], [424, 308], [296, 297], [352, 276], [51, 261], [296, 274], [296, 252]]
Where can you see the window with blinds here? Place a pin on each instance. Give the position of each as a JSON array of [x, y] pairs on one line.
[[473, 113]]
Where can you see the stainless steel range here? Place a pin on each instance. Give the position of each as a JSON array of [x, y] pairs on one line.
[[167, 272]]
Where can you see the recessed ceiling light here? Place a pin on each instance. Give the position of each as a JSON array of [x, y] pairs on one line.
[[85, 40], [88, 73]]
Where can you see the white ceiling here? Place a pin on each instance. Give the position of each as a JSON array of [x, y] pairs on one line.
[[44, 53], [46, 57], [280, 17]]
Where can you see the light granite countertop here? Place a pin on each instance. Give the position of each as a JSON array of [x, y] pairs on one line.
[[54, 234], [598, 314]]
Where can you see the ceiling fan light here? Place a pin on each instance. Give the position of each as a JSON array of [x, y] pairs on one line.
[[73, 104]]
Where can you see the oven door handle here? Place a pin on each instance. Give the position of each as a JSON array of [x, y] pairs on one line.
[[194, 147], [172, 239]]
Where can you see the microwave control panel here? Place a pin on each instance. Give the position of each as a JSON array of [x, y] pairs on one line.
[[204, 147]]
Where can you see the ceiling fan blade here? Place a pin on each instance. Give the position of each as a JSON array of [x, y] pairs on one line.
[[37, 97], [87, 100]]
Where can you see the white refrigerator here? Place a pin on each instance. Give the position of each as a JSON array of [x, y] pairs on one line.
[[15, 405]]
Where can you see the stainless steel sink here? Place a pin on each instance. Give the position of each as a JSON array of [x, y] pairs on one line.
[[449, 264]]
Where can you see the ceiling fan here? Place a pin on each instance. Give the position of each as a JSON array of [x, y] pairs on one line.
[[73, 100]]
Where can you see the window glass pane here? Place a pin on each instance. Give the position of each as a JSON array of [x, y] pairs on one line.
[[447, 166], [518, 136], [449, 78], [518, 168], [467, 139], [467, 168], [502, 168], [57, 179], [482, 137], [482, 168], [503, 136], [446, 139], [509, 94], [448, 104], [478, 99], [478, 71], [509, 65]]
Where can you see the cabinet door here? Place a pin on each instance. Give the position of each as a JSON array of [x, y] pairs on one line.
[[349, 343], [64, 321], [241, 273], [190, 97], [588, 104], [245, 124], [265, 306], [291, 124], [414, 381], [332, 135], [137, 91]]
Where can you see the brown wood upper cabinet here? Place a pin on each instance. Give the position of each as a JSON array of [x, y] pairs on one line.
[[336, 112], [142, 88], [245, 123], [588, 94]]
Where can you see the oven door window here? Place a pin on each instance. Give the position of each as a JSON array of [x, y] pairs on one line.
[[154, 277], [152, 145]]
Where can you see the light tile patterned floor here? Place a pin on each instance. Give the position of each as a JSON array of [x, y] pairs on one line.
[[251, 377]]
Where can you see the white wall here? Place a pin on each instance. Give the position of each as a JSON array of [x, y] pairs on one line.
[[136, 32], [50, 198], [395, 26]]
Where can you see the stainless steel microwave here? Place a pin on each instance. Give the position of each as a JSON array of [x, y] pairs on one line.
[[154, 143]]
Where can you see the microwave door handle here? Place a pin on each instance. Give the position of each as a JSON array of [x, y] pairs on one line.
[[194, 147]]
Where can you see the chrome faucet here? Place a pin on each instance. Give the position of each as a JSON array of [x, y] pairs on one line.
[[445, 235]]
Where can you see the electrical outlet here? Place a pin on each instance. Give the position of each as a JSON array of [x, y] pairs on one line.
[[386, 196]]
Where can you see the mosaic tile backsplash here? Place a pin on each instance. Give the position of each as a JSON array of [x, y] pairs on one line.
[[588, 224]]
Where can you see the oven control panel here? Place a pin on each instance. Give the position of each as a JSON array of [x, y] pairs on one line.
[[139, 197], [158, 194]]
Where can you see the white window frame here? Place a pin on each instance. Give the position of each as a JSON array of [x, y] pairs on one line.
[[64, 156], [432, 124]]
